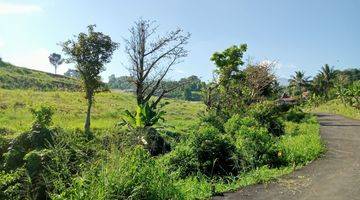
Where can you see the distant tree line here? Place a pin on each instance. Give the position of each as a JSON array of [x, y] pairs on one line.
[[326, 85], [186, 88]]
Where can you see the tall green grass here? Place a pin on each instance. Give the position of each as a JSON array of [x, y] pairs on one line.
[[337, 107]]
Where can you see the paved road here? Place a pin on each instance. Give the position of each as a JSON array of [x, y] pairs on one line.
[[336, 175]]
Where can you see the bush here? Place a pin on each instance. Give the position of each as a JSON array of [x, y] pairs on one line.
[[214, 119], [132, 175], [215, 152], [13, 185], [295, 115], [43, 116], [182, 160], [267, 114], [35, 163], [237, 121], [255, 145]]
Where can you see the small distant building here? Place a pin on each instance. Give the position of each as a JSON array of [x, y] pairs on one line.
[[286, 99]]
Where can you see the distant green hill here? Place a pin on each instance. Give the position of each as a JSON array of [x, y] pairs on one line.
[[13, 77]]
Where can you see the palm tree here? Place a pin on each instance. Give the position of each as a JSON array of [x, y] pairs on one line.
[[324, 81], [299, 82]]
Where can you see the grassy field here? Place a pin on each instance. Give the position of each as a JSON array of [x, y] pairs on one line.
[[70, 109], [337, 107], [300, 144], [13, 77]]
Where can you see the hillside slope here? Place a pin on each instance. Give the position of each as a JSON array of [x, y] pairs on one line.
[[13, 77]]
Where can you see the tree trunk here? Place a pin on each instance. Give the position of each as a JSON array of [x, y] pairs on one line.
[[88, 113]]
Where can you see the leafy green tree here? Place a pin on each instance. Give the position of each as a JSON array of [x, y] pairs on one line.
[[299, 82], [90, 52], [230, 79], [55, 60]]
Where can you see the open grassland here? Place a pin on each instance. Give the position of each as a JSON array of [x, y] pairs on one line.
[[13, 77], [70, 109], [337, 107]]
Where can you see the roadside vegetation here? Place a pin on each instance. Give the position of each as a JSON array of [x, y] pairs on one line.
[[143, 145], [330, 91]]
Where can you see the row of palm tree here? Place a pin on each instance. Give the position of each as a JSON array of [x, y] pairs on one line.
[[321, 84]]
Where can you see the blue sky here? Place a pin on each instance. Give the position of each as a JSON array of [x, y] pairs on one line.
[[299, 35]]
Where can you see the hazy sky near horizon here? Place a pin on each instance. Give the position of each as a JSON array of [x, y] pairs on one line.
[[299, 35]]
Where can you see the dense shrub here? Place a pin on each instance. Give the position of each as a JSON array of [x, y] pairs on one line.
[[267, 114], [295, 115], [215, 152], [13, 185], [255, 145], [4, 145], [351, 94], [182, 161], [237, 121], [214, 119], [208, 151]]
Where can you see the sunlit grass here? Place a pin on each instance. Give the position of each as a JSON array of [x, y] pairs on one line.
[[337, 107], [70, 109]]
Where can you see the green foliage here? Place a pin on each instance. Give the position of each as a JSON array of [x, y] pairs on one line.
[[268, 114], [299, 83], [214, 119], [350, 95], [144, 116], [182, 161], [337, 107], [215, 152], [255, 146], [35, 163], [186, 88], [237, 121], [295, 115], [133, 175], [302, 146], [208, 152], [43, 116], [228, 89], [12, 185], [90, 52]]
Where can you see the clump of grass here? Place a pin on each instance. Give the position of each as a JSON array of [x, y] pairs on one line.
[[301, 144], [132, 175]]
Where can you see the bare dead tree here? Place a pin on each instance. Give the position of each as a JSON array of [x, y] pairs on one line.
[[260, 76], [152, 57]]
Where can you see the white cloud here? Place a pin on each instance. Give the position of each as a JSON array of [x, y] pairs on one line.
[[37, 59], [179, 71], [10, 8]]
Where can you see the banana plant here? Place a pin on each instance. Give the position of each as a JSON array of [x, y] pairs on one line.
[[144, 116]]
